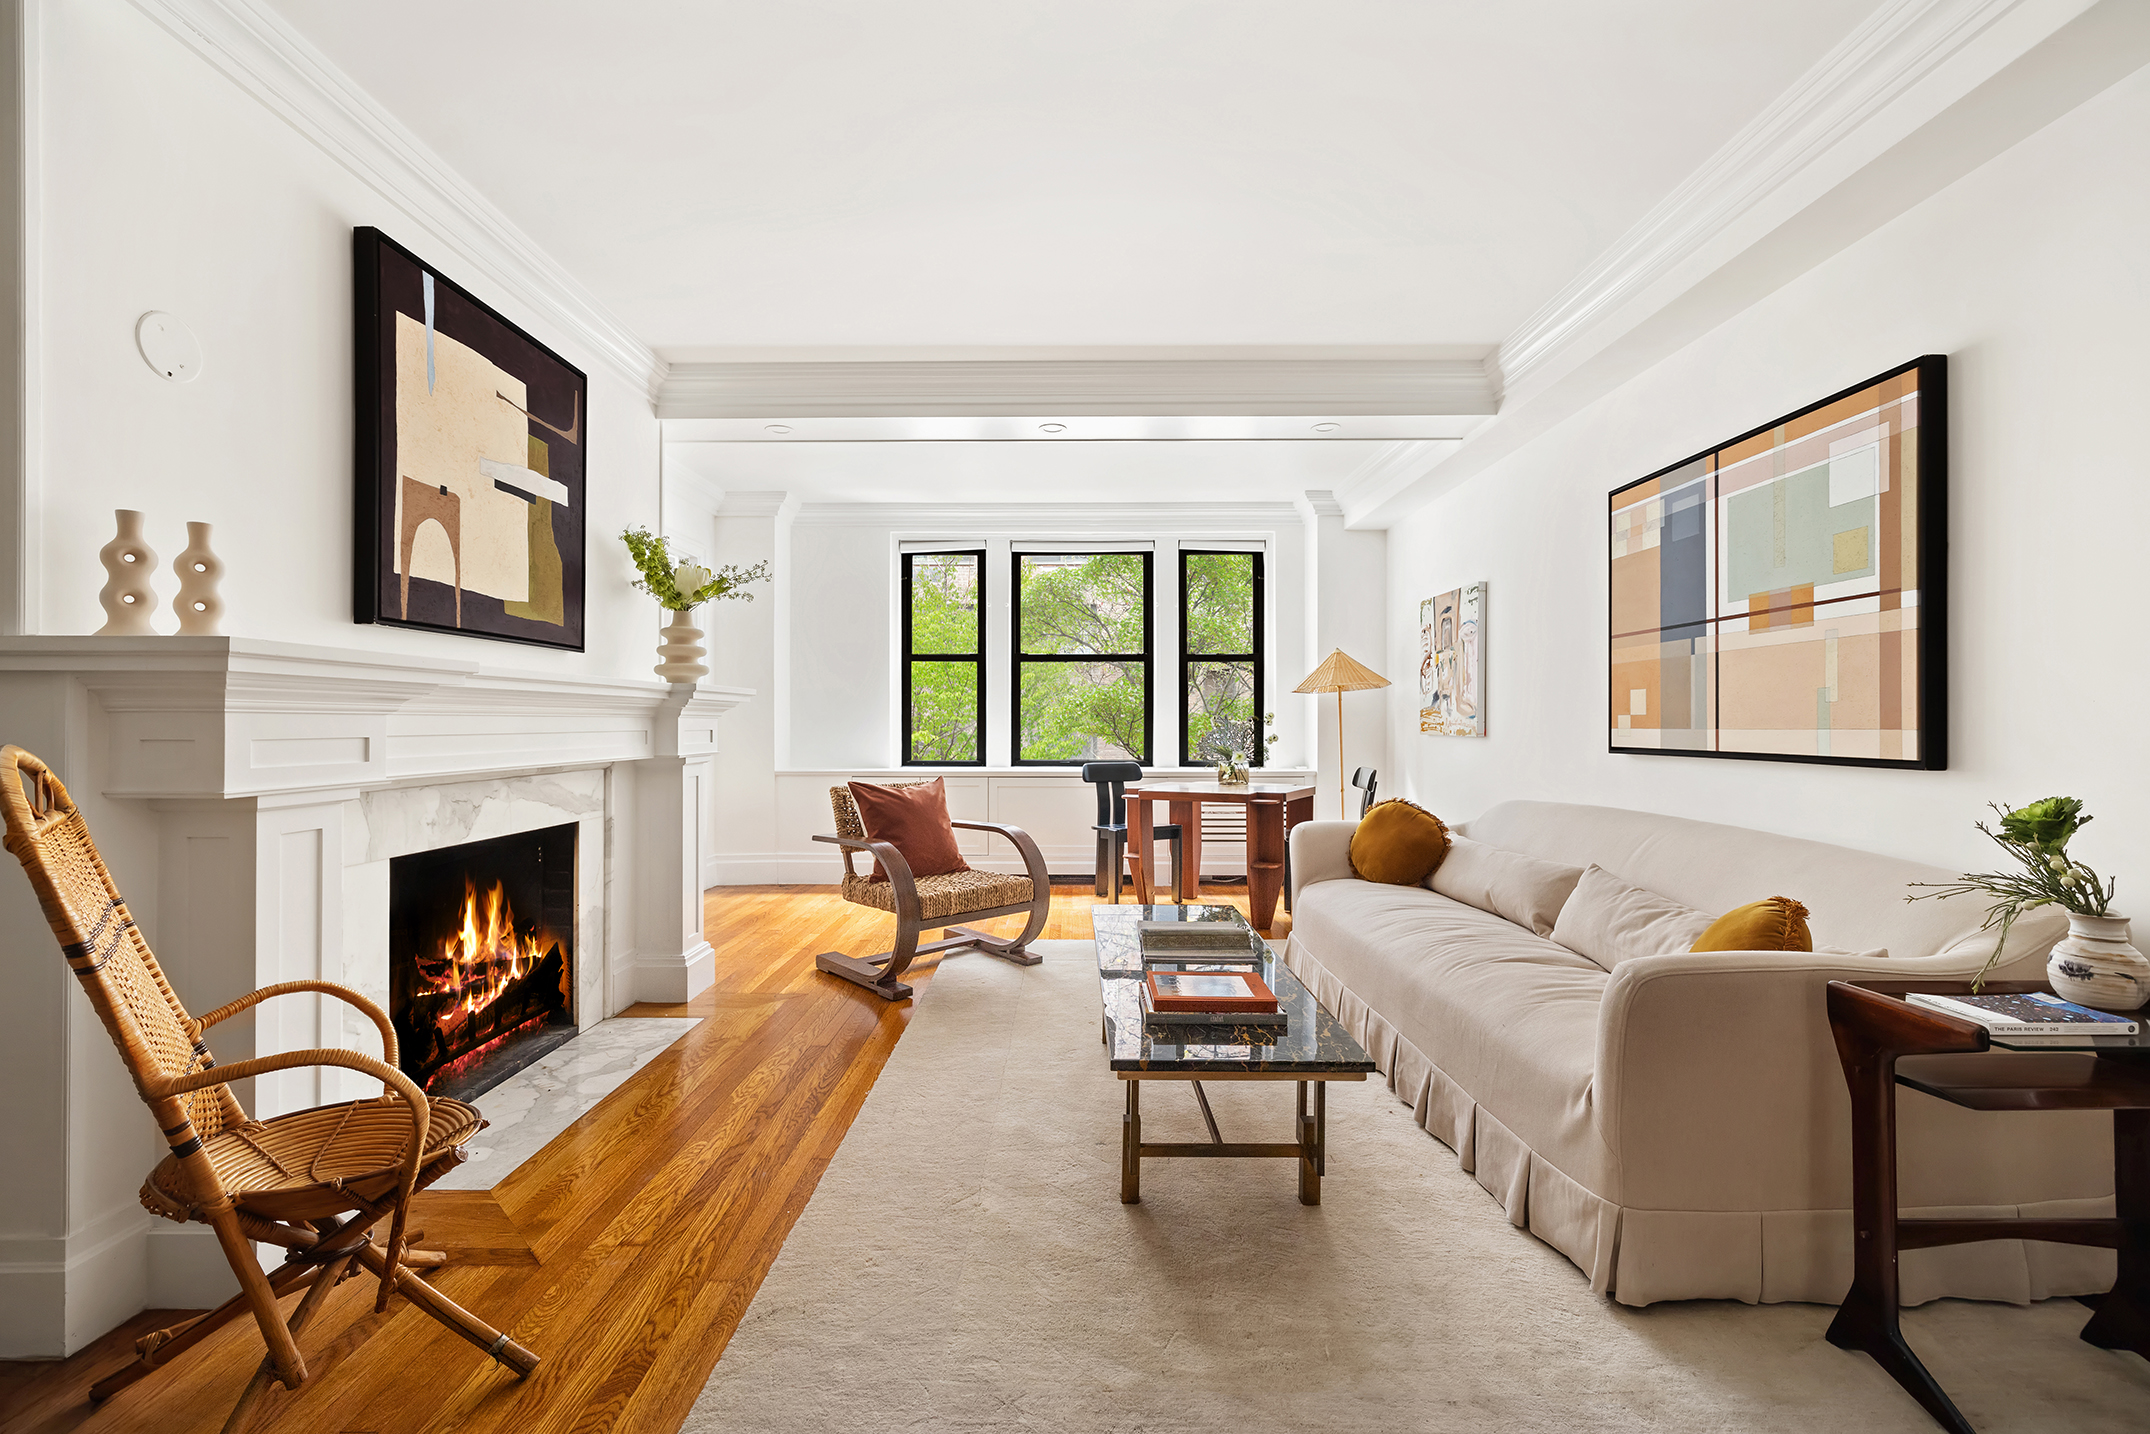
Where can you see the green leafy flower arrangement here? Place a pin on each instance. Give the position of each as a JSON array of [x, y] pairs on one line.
[[663, 580], [2037, 836]]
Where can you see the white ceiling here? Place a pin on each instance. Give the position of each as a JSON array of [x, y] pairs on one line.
[[741, 180]]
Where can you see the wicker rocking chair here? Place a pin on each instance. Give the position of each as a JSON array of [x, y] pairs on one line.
[[920, 903], [315, 1181]]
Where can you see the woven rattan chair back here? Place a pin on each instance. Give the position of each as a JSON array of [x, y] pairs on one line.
[[126, 986]]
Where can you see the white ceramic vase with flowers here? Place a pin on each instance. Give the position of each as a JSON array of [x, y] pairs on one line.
[[680, 588], [2094, 964]]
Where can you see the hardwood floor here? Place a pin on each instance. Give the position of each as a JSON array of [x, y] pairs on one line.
[[624, 1253]]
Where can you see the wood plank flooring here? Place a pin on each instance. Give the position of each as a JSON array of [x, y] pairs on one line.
[[624, 1253]]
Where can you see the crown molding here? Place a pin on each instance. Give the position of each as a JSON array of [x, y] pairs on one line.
[[1891, 51], [1119, 388], [754, 503], [262, 54], [1321, 502], [1121, 521]]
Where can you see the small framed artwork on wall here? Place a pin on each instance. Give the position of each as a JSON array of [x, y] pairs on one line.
[[1452, 663], [472, 462], [1784, 595]]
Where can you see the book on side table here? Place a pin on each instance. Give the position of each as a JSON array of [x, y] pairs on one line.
[[2030, 1013]]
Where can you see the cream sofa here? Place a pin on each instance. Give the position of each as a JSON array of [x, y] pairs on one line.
[[1678, 1126]]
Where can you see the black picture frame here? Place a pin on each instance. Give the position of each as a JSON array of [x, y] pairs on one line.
[[976, 658], [1930, 528], [388, 281]]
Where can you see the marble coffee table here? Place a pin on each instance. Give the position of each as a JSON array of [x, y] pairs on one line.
[[1312, 1049]]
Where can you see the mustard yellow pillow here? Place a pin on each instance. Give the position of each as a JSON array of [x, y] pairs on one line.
[[1777, 924], [1398, 843]]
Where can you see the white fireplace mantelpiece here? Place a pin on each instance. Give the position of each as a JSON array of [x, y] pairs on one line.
[[245, 795], [233, 717]]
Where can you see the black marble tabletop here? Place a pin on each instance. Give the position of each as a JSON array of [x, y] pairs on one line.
[[1312, 1042]]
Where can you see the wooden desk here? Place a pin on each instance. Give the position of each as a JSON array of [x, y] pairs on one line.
[[1884, 1041], [1273, 809]]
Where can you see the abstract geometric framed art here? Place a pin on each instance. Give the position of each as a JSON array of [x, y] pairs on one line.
[[472, 477], [1783, 596]]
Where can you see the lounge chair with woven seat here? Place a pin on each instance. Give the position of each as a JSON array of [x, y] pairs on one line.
[[315, 1181], [920, 903]]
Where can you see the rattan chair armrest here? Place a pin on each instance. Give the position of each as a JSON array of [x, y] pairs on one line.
[[345, 994]]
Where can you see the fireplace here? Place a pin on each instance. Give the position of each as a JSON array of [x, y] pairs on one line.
[[481, 977]]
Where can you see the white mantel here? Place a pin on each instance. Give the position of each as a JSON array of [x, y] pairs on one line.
[[248, 796]]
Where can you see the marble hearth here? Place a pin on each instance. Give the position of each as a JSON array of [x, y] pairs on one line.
[[249, 798]]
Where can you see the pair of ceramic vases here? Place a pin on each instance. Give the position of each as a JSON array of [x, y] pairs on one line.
[[2095, 965]]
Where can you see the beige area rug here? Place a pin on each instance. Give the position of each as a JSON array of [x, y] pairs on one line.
[[966, 1264]]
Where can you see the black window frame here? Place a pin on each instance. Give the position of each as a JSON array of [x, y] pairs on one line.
[[1258, 658], [911, 655], [1017, 657]]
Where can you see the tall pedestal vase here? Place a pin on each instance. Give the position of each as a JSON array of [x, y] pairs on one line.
[[127, 597], [200, 571], [2094, 965], [681, 649]]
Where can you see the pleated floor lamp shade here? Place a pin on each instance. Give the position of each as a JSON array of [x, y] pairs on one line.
[[1338, 673]]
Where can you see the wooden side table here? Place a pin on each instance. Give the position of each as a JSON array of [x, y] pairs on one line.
[[1273, 809], [1884, 1041]]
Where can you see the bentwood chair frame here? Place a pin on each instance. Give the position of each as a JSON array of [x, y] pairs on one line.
[[948, 898], [315, 1182]]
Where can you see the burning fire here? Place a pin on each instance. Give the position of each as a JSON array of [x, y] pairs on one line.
[[487, 954]]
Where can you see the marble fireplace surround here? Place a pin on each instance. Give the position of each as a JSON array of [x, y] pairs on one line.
[[248, 796]]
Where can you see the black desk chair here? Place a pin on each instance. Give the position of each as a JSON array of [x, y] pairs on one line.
[[1367, 778], [1111, 779]]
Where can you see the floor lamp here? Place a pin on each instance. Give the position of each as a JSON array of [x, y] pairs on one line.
[[1339, 674]]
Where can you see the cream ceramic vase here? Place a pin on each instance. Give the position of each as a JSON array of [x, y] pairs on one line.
[[2094, 965], [681, 649], [127, 597], [200, 571]]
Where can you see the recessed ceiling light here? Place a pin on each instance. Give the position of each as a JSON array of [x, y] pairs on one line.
[[1327, 427], [1052, 428], [777, 428]]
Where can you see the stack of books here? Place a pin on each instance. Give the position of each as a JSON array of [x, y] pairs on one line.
[[1209, 998], [1211, 943], [2033, 1017]]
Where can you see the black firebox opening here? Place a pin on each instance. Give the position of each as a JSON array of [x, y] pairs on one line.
[[481, 977]]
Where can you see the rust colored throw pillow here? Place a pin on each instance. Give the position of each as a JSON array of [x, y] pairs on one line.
[[1777, 924], [1398, 843], [914, 820]]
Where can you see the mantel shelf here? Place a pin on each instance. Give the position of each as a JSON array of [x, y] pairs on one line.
[[241, 717]]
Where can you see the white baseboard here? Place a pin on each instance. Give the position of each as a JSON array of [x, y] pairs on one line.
[[673, 979], [58, 1294], [823, 868]]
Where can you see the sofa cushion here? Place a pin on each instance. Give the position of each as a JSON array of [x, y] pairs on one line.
[[1398, 843], [1775, 923], [1520, 888], [1508, 1015], [1609, 921]]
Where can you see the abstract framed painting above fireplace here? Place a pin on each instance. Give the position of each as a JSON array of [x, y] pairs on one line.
[[472, 478], [481, 973]]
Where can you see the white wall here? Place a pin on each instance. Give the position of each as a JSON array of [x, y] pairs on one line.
[[165, 186], [2029, 274]]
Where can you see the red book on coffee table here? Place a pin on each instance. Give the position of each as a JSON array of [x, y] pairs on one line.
[[1209, 991]]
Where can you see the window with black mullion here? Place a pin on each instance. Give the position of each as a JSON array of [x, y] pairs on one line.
[[1082, 679], [944, 659], [1221, 657]]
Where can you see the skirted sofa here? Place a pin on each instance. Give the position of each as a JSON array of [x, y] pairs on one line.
[[1677, 1125]]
